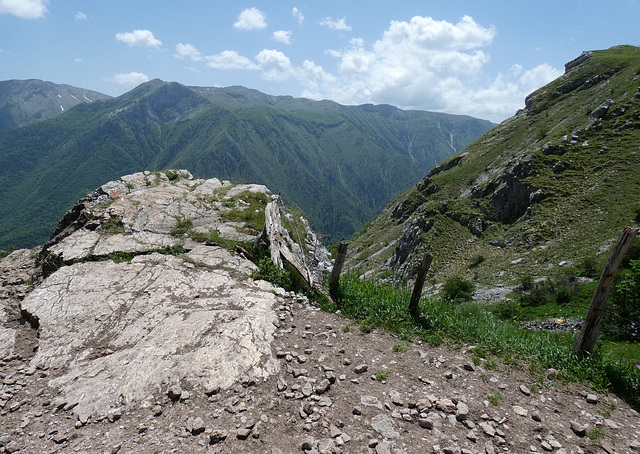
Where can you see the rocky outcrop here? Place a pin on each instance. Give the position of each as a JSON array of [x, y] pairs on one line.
[[411, 238], [448, 164], [132, 304], [582, 58], [511, 198]]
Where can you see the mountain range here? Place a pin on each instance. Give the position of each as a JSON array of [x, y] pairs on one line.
[[339, 164], [551, 187], [23, 102]]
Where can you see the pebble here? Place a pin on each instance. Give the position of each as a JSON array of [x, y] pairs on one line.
[[323, 386], [462, 411], [60, 438], [578, 429], [243, 433], [592, 399], [488, 429], [535, 415], [361, 368], [174, 392]]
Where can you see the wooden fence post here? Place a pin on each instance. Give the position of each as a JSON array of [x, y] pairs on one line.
[[337, 268], [417, 288], [593, 322]]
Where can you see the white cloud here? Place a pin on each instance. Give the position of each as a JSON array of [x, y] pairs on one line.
[[434, 65], [295, 12], [131, 79], [418, 64], [251, 19], [25, 9], [139, 38], [282, 36], [336, 24], [80, 16], [230, 59], [187, 52], [275, 65], [540, 75]]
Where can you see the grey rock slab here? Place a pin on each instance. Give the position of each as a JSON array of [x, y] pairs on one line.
[[371, 401], [384, 448], [384, 425], [121, 330], [612, 425], [488, 429], [520, 411]]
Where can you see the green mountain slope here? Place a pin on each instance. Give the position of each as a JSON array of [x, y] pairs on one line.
[[339, 164], [549, 187], [23, 102]]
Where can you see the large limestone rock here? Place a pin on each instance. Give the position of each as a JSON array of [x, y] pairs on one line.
[[123, 331], [132, 305]]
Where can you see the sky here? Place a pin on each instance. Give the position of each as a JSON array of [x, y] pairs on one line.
[[471, 57]]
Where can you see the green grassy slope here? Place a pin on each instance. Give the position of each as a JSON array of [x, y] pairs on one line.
[[555, 183]]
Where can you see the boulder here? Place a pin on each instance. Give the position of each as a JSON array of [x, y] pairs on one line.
[[133, 305]]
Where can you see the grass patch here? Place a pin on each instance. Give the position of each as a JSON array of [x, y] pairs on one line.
[[213, 237], [495, 399], [113, 226], [382, 375], [383, 306], [182, 227], [403, 347], [595, 434]]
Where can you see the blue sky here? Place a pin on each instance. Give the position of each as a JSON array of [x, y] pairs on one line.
[[479, 58]]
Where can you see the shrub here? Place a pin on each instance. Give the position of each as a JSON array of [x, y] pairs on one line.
[[476, 260], [588, 266], [457, 289], [288, 277], [268, 271], [526, 283], [506, 310], [624, 302], [564, 295]]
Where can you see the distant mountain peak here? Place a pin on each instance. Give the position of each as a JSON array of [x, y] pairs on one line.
[[23, 102]]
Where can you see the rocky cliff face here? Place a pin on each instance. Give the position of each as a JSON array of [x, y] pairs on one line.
[[130, 304]]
